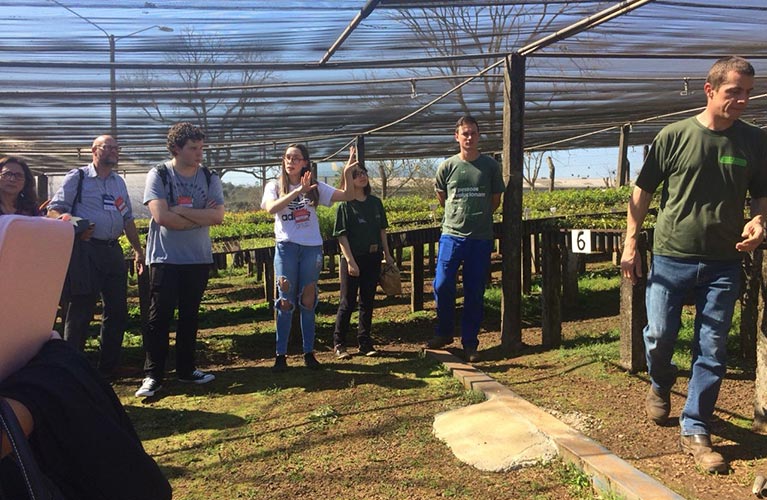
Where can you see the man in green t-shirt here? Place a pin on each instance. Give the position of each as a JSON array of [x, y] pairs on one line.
[[469, 186], [705, 164]]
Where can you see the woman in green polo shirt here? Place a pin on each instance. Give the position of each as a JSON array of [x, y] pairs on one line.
[[361, 231]]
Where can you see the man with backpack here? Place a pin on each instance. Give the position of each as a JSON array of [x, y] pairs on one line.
[[95, 192], [184, 199]]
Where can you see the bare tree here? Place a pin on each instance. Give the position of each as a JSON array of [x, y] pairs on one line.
[[454, 30], [203, 98], [532, 167], [416, 176]]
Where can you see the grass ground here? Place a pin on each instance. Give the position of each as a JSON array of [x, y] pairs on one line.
[[362, 428]]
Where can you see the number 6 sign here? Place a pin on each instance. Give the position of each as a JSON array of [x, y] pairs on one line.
[[581, 240]]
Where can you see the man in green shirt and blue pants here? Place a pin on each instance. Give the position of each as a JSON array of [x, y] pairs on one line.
[[705, 165], [469, 186]]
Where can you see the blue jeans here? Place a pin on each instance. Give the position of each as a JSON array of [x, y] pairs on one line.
[[295, 267], [475, 257], [715, 286]]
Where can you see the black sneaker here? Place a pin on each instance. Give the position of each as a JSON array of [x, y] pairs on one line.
[[438, 342], [471, 354], [311, 362], [368, 350], [341, 352], [197, 377], [280, 363], [149, 386]]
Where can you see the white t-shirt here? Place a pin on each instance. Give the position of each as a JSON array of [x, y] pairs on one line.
[[297, 223]]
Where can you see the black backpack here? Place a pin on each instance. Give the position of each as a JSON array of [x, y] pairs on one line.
[[162, 171]]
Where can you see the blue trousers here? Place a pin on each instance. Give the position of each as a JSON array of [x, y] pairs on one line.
[[716, 287], [295, 267], [474, 255]]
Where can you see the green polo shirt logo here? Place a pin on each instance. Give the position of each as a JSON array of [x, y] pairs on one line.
[[731, 160]]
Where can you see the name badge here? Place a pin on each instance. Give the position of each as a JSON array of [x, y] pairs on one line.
[[108, 202], [185, 201]]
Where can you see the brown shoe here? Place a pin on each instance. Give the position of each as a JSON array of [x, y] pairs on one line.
[[657, 406], [699, 446]]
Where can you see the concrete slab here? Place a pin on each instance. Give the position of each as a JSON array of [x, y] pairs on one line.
[[608, 472], [490, 437]]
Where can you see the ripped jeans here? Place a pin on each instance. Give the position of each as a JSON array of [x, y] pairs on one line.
[[295, 266]]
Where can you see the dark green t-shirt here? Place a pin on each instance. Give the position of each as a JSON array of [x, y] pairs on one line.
[[361, 222], [469, 188], [705, 175]]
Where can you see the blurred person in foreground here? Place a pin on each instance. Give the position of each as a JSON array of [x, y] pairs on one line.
[[705, 165]]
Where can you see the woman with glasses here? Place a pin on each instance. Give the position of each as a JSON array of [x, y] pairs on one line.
[[293, 199], [17, 188], [361, 230]]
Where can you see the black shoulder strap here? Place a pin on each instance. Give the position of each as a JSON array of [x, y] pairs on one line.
[[162, 170], [208, 174], [79, 195]]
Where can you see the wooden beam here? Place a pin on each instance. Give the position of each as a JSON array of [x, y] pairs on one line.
[[623, 160], [634, 314], [551, 291], [513, 161], [416, 278]]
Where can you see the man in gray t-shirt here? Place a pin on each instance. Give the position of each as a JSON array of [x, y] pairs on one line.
[[184, 199]]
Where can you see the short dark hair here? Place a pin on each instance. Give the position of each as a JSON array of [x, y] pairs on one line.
[[180, 133], [717, 75], [466, 120]]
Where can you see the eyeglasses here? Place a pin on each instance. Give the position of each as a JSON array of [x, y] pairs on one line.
[[359, 173], [10, 176], [104, 147], [294, 158]]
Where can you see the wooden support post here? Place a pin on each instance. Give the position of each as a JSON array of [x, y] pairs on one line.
[[634, 314], [42, 187], [760, 387], [749, 304], [527, 256], [535, 241], [416, 278], [551, 291], [257, 266], [623, 160], [360, 145], [398, 256], [570, 266], [513, 161], [332, 263]]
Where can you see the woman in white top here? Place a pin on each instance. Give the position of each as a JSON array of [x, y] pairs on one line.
[[298, 253]]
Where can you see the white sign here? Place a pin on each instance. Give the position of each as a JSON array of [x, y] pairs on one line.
[[581, 240]]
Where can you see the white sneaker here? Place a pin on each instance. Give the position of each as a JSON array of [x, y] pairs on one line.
[[198, 377], [148, 388]]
